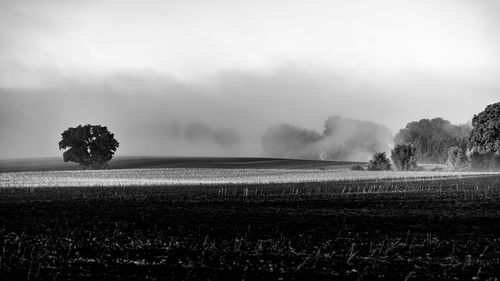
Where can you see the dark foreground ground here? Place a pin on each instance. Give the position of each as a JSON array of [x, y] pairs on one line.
[[429, 230]]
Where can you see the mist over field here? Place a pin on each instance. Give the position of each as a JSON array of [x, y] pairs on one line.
[[149, 113], [342, 139], [148, 70]]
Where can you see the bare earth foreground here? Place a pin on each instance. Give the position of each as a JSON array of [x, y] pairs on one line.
[[247, 220]]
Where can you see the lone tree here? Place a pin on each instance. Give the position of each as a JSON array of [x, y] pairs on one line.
[[91, 146], [380, 162], [403, 157]]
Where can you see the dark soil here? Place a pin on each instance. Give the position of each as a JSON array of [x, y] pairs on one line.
[[429, 230]]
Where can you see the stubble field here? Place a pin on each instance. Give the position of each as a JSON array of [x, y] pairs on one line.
[[254, 225]]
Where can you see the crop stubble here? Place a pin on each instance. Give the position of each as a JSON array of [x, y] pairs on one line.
[[368, 229]]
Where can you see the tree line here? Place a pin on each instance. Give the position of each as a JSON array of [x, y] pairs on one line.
[[470, 146], [474, 146], [432, 138]]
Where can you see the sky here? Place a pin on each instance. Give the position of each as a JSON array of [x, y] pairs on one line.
[[138, 65]]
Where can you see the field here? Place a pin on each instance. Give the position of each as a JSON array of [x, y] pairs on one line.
[[252, 223], [208, 177], [131, 162]]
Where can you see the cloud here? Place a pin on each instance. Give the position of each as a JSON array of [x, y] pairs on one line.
[[190, 39], [139, 107]]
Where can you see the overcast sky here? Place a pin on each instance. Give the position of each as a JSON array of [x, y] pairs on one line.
[[135, 65]]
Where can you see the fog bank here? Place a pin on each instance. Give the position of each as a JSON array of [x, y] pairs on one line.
[[342, 139], [150, 112]]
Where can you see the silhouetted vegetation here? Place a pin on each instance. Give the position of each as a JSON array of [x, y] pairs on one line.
[[404, 157], [380, 162], [484, 140], [91, 146], [432, 138]]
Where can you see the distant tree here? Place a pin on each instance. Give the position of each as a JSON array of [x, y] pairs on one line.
[[91, 146], [403, 157], [351, 139], [432, 138], [457, 159], [284, 140], [226, 138], [342, 139], [380, 162]]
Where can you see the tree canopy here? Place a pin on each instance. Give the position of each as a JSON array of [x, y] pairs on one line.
[[432, 138], [91, 146], [485, 135]]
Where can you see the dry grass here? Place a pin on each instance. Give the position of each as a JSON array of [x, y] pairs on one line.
[[207, 176]]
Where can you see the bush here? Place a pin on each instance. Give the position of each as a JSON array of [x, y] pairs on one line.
[[457, 160], [403, 157], [380, 162]]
